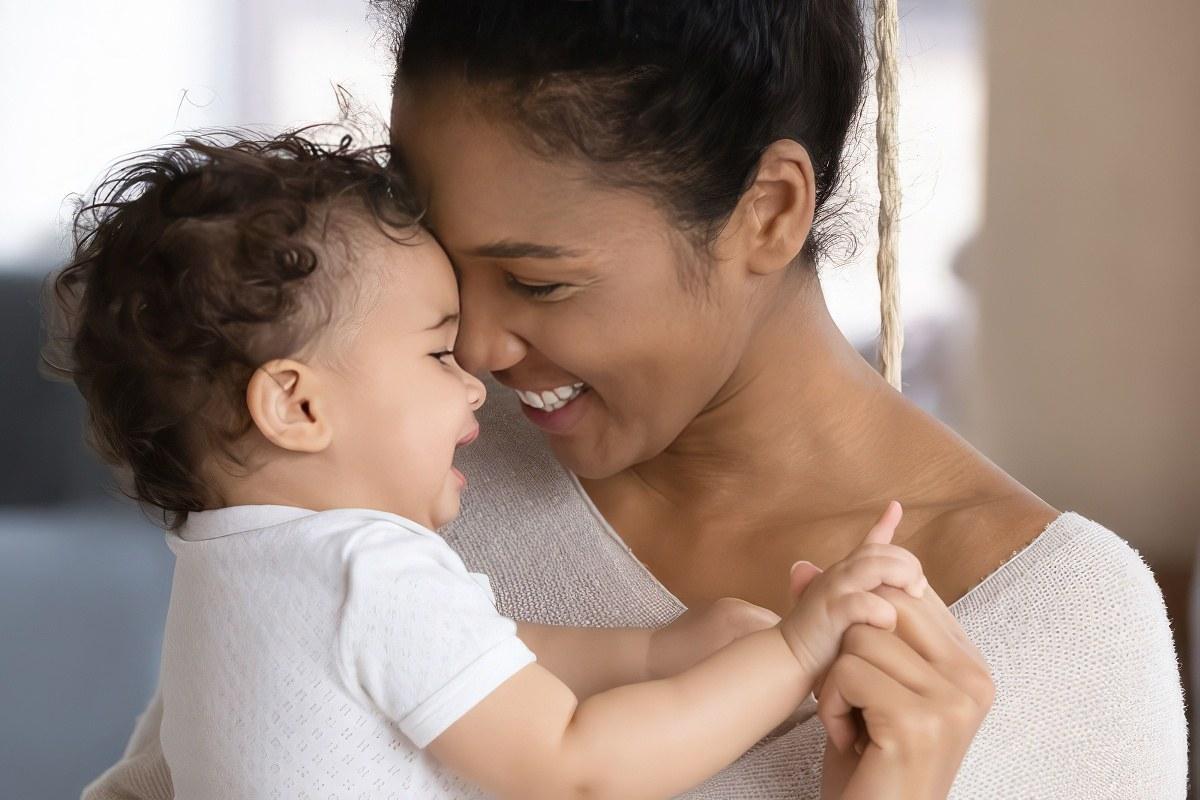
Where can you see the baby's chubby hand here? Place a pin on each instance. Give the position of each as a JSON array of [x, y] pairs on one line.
[[699, 632], [831, 601]]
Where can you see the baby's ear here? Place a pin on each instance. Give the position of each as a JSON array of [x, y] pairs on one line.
[[288, 405]]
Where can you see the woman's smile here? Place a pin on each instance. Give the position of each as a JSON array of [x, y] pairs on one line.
[[550, 400], [560, 415]]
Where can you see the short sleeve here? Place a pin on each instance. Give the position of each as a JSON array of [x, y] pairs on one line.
[[420, 638]]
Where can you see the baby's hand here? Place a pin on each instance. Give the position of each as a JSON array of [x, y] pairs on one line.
[[698, 633], [843, 595]]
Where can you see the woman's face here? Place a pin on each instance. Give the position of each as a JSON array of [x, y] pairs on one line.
[[573, 294]]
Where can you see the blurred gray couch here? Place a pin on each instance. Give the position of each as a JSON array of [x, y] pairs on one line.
[[84, 579]]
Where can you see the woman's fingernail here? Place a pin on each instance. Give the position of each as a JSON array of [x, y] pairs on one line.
[[859, 747], [798, 563]]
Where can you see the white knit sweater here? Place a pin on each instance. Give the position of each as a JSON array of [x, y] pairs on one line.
[[1088, 699]]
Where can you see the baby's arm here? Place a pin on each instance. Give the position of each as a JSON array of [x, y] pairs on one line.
[[591, 660], [533, 738]]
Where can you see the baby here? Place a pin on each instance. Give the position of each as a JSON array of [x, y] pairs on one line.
[[264, 335]]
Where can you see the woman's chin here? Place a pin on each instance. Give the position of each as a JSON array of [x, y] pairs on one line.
[[586, 459]]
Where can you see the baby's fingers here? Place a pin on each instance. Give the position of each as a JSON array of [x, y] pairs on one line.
[[883, 530], [868, 573], [863, 608]]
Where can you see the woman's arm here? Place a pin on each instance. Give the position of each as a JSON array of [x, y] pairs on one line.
[[142, 772]]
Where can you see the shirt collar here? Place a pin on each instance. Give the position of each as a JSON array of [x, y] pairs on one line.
[[203, 525]]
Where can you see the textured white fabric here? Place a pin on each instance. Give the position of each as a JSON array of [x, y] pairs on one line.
[[1088, 706], [314, 654]]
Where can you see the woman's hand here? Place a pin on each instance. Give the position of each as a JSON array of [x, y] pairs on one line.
[[902, 708]]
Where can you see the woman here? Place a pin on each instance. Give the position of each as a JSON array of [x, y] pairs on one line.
[[636, 197]]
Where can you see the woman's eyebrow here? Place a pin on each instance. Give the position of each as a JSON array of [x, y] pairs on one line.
[[507, 248]]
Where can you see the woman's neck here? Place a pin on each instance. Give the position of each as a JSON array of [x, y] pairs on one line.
[[795, 458], [804, 424]]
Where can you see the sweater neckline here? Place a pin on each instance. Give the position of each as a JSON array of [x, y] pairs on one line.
[[1030, 550]]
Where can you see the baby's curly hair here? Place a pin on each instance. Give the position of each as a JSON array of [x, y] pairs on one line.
[[192, 266]]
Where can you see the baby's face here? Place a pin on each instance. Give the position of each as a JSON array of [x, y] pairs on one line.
[[400, 403]]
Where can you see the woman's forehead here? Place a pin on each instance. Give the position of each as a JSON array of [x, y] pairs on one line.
[[483, 188]]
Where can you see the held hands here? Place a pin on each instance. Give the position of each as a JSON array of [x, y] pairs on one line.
[[900, 706], [844, 595], [830, 602]]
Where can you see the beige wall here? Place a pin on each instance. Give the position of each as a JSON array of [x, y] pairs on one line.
[[1087, 382]]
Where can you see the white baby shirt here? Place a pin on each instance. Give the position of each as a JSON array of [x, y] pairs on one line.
[[314, 655]]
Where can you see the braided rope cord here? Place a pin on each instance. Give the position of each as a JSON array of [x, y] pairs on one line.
[[887, 81]]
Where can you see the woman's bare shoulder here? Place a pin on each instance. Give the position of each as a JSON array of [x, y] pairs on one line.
[[974, 536]]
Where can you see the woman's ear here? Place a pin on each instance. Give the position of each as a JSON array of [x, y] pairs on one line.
[[287, 403], [774, 216]]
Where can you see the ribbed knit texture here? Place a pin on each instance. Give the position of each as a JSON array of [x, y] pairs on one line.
[[1088, 699]]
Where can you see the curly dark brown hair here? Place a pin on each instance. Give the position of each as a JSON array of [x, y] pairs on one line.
[[193, 265]]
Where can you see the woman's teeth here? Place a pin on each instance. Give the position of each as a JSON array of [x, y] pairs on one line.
[[552, 399]]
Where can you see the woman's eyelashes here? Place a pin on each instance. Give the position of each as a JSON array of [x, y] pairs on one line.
[[533, 289]]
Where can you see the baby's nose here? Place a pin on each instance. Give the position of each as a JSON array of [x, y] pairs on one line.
[[476, 391]]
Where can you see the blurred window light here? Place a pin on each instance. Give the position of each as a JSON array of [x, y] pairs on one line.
[[88, 83], [99, 80]]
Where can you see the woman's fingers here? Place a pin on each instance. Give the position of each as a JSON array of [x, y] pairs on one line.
[[890, 654], [936, 636], [892, 657], [854, 683], [919, 624], [837, 715], [941, 612]]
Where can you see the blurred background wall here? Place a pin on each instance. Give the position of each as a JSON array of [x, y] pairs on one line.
[[1048, 280], [1086, 378]]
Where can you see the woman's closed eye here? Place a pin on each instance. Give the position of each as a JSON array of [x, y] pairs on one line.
[[533, 289]]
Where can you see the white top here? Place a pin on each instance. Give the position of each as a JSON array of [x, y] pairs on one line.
[[1089, 703], [314, 654]]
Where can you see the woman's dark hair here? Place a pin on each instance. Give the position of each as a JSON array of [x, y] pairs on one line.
[[676, 97], [193, 265]]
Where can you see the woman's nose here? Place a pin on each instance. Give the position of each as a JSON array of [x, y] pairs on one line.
[[485, 343]]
